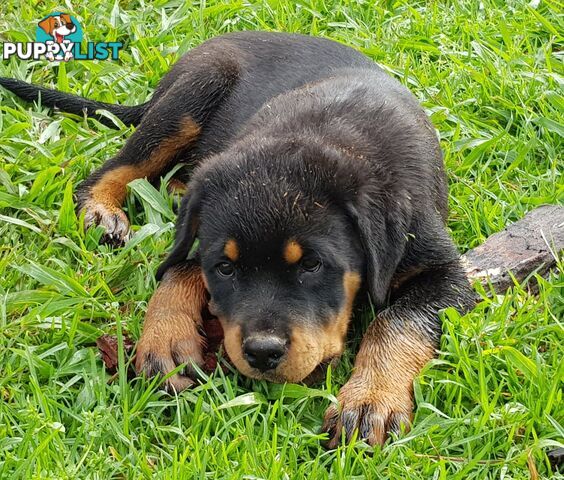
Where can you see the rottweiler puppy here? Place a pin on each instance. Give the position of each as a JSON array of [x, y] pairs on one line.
[[317, 181]]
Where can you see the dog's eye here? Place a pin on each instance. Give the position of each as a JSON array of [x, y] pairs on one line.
[[310, 264], [225, 269]]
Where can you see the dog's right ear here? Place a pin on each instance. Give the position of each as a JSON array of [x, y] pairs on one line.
[[187, 225], [48, 25], [66, 17]]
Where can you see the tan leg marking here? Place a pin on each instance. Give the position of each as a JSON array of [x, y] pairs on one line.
[[106, 196], [378, 398], [170, 333], [176, 187]]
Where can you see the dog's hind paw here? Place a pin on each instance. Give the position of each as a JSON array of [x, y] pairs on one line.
[[113, 219]]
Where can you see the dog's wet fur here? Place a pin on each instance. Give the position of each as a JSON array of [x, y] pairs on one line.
[[317, 182]]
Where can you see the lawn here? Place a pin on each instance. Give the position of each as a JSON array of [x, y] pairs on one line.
[[490, 76]]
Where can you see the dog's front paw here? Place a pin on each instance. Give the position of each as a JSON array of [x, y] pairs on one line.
[[166, 345], [113, 219], [171, 333], [372, 411]]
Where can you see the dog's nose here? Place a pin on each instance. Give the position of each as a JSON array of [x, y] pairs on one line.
[[264, 353]]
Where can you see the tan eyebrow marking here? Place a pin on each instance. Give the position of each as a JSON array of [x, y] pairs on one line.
[[231, 250], [293, 252]]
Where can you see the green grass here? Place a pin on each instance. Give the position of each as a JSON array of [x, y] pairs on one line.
[[490, 406]]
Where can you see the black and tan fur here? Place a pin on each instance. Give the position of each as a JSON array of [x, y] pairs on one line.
[[318, 182]]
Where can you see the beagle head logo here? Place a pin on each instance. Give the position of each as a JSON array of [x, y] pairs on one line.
[[58, 26], [61, 29]]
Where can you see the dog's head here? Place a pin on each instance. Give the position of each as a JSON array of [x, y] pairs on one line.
[[58, 26], [287, 232]]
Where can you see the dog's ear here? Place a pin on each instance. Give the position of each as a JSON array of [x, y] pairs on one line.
[[48, 25], [187, 225], [66, 17], [383, 232]]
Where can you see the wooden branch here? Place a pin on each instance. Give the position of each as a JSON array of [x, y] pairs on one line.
[[531, 245]]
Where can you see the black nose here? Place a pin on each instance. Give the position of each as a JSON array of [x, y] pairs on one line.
[[264, 353]]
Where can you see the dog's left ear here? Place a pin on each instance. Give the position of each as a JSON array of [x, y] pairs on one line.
[[383, 231], [187, 224], [66, 17], [48, 25]]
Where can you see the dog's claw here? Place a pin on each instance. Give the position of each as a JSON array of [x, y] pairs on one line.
[[371, 412], [113, 220], [158, 353]]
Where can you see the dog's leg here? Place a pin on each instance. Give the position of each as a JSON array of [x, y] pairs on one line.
[[171, 334], [170, 126], [378, 398]]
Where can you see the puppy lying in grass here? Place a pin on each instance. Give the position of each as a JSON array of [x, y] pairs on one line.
[[318, 182]]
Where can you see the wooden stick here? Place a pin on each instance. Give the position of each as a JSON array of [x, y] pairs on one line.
[[531, 245]]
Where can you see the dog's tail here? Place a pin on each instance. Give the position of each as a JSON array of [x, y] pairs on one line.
[[67, 102]]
